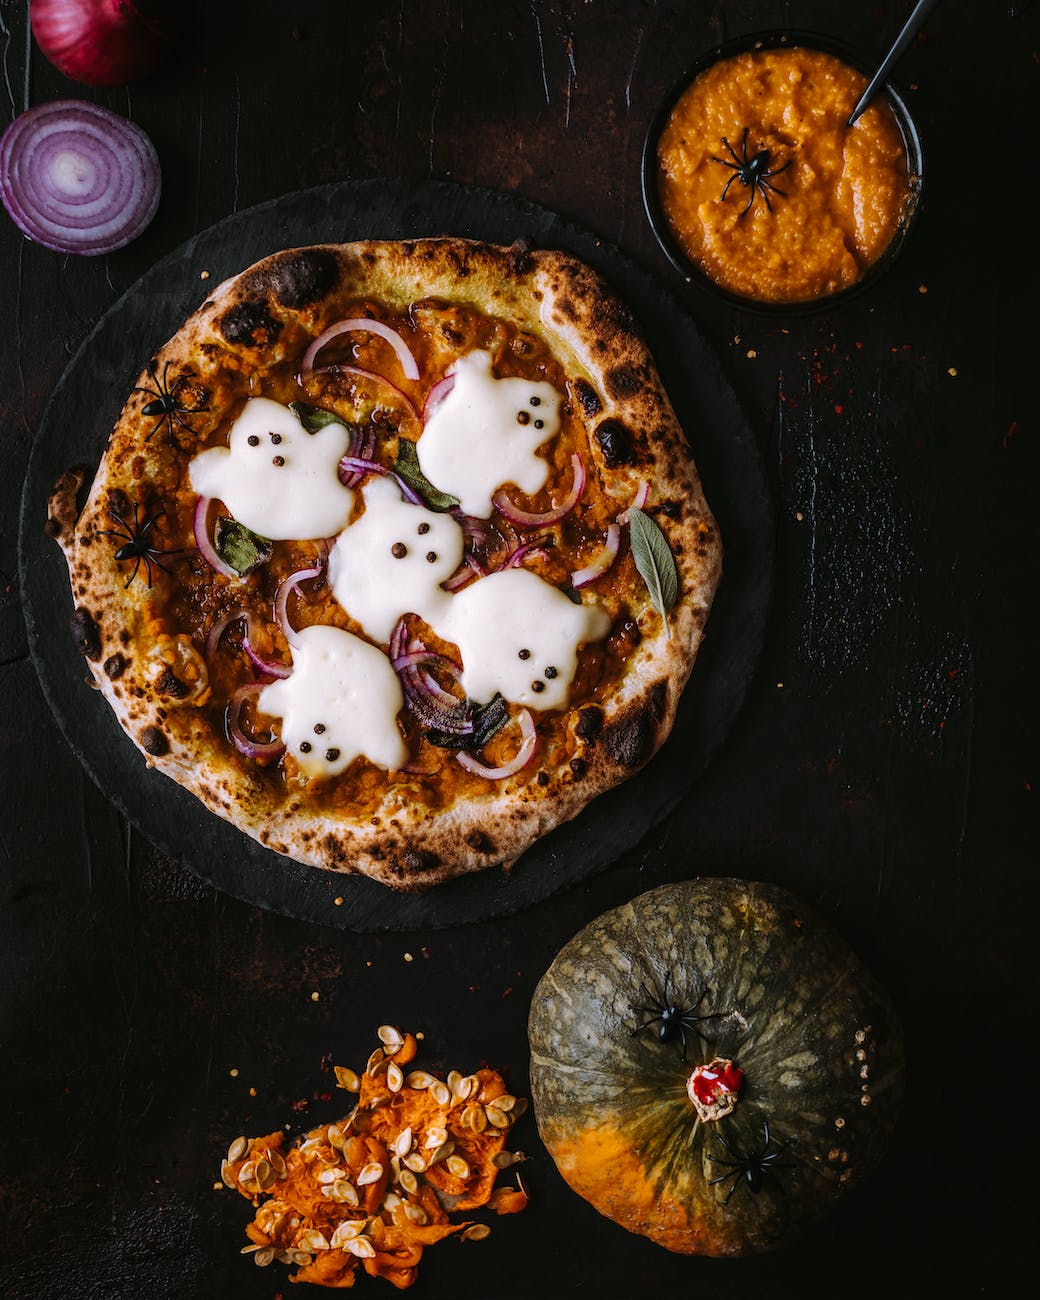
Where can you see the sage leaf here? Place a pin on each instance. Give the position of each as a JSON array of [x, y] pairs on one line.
[[314, 418], [239, 547], [655, 562], [407, 468], [487, 720]]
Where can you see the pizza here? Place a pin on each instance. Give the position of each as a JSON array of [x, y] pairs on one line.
[[397, 555]]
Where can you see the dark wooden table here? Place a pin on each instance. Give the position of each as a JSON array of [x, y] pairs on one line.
[[882, 767]]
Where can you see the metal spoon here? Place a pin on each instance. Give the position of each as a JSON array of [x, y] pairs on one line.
[[910, 29]]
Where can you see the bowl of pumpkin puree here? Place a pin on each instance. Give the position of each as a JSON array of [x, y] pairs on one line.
[[754, 182]]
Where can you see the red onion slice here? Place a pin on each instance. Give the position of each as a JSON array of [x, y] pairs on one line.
[[524, 519], [470, 570], [200, 526], [642, 496], [436, 395], [515, 764], [358, 465], [281, 602], [220, 627], [266, 666], [409, 365], [516, 559], [243, 743], [601, 563], [78, 178]]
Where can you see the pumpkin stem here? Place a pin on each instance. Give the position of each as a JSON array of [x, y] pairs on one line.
[[714, 1088]]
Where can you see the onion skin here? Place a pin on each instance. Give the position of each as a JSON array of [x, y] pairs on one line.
[[105, 42]]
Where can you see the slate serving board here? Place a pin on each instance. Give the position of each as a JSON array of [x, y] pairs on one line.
[[75, 428]]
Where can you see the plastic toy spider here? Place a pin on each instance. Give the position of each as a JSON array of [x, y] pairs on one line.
[[166, 404], [671, 1018], [136, 545], [752, 172], [748, 1168]]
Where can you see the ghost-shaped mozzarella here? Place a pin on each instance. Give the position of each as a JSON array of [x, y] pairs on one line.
[[340, 701], [519, 635], [275, 477], [393, 560], [486, 432]]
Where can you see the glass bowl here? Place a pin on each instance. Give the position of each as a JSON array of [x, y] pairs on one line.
[[911, 140]]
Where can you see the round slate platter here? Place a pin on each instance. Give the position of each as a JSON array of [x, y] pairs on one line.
[[75, 428]]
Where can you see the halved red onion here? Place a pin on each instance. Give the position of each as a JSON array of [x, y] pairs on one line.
[[105, 42], [515, 764], [642, 496], [436, 395], [281, 601], [304, 375], [602, 561], [245, 744], [78, 178], [524, 519], [409, 366], [200, 526]]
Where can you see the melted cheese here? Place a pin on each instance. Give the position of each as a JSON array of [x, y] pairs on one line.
[[341, 701], [519, 635], [381, 566], [275, 477], [486, 432]]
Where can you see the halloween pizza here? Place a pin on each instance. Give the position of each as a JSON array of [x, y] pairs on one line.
[[397, 555]]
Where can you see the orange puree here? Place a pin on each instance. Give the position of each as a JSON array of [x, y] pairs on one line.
[[844, 192]]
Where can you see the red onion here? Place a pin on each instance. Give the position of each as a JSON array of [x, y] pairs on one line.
[[408, 363], [200, 525], [221, 626], [77, 178], [362, 447], [243, 743], [520, 760], [281, 601], [602, 562], [516, 558], [470, 570], [426, 698], [352, 466], [105, 42], [524, 519], [436, 395], [304, 375], [639, 501]]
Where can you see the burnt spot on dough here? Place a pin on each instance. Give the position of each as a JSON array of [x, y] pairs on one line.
[[625, 380], [85, 634], [590, 724], [295, 279], [115, 666], [170, 684], [579, 767], [480, 842], [616, 442], [567, 308], [417, 860], [587, 397], [632, 737], [248, 324], [520, 255], [154, 742]]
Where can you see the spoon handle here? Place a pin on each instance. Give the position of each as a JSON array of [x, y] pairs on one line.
[[911, 27]]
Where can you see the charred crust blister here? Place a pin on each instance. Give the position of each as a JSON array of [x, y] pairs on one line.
[[248, 324], [115, 666], [590, 724], [154, 742], [170, 684], [616, 442], [296, 279], [85, 634], [587, 397]]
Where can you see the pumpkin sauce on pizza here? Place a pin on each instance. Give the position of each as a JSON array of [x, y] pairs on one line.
[[397, 555]]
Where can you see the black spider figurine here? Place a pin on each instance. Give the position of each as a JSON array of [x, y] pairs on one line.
[[671, 1018], [748, 1168], [752, 172], [136, 545], [166, 404]]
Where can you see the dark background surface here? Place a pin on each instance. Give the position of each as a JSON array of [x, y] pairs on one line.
[[882, 767]]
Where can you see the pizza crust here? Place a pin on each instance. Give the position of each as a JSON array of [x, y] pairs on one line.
[[266, 316]]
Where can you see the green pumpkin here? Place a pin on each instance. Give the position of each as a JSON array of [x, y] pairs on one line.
[[786, 1001]]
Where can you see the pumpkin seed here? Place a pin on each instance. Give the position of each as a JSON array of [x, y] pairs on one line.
[[263, 1257], [313, 1240], [503, 1159], [371, 1173], [392, 1038], [361, 1247], [277, 1163], [416, 1214], [414, 1161], [473, 1117], [347, 1079], [329, 1175], [476, 1232], [391, 1201], [420, 1080], [299, 1257], [455, 1083], [250, 1250], [505, 1102], [394, 1077], [227, 1175], [442, 1152], [237, 1149], [265, 1175], [441, 1093], [345, 1193], [409, 1182], [458, 1167], [403, 1142], [435, 1137], [347, 1231], [497, 1117], [374, 1059], [521, 1107]]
